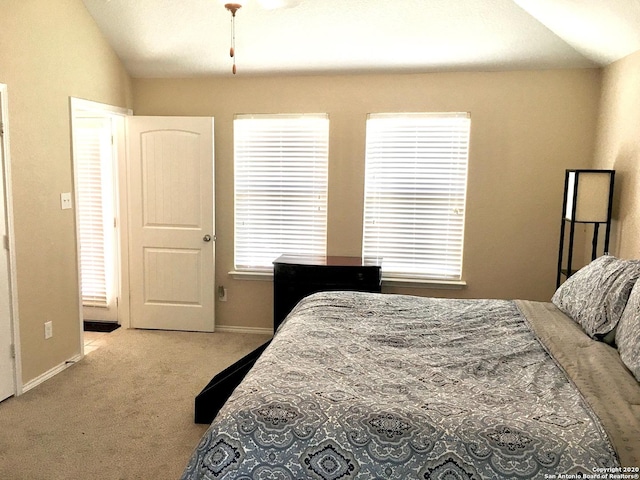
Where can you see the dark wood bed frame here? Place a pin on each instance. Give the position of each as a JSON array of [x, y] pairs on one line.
[[210, 400]]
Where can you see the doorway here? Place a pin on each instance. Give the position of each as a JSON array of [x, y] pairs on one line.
[[98, 132], [155, 214], [10, 376]]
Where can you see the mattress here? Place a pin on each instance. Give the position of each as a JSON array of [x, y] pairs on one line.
[[360, 385]]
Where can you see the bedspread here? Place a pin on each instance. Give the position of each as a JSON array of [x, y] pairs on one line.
[[358, 385]]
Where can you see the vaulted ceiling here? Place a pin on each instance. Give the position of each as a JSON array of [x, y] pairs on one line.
[[185, 38]]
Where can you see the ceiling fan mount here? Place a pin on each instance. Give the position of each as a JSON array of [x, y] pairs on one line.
[[233, 7], [267, 4]]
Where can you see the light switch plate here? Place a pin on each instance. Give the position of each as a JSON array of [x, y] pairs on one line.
[[65, 200]]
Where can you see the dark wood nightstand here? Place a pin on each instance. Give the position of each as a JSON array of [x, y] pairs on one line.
[[295, 277]]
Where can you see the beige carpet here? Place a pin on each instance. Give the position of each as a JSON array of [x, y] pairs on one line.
[[124, 412]]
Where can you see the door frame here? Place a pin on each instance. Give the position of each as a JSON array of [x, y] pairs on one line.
[[13, 279], [77, 105]]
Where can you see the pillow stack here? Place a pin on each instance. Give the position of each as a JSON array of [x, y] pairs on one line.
[[599, 296], [628, 333]]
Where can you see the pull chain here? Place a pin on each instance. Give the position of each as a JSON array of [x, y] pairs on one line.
[[233, 8], [232, 51]]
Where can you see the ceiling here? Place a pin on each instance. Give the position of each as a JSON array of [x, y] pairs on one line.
[[186, 38]]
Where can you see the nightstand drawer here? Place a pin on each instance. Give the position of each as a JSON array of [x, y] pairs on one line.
[[327, 274]]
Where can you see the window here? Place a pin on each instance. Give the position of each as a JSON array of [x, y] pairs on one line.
[[95, 197], [415, 192], [281, 176]]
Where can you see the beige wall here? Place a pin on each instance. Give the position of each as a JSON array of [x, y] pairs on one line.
[[49, 51], [619, 148], [527, 128]]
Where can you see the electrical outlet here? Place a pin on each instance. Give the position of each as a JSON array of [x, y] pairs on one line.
[[65, 201], [222, 293], [48, 330]]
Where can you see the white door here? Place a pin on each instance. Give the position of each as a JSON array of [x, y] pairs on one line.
[[171, 223], [7, 364]]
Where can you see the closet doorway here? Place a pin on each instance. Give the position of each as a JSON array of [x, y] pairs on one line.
[[10, 373], [98, 143]]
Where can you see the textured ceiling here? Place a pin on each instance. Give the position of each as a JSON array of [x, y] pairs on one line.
[[171, 38]]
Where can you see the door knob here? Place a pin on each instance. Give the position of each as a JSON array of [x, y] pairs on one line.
[[207, 238]]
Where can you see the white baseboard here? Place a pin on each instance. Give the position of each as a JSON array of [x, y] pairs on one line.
[[234, 329], [63, 366], [50, 373]]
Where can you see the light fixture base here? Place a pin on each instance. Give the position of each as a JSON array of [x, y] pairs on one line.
[[233, 7]]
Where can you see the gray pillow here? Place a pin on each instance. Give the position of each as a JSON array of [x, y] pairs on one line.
[[628, 333], [595, 296]]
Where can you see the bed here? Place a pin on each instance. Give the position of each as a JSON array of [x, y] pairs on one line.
[[363, 385]]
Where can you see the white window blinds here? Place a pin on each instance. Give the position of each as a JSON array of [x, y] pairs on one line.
[[415, 192], [281, 175], [93, 154]]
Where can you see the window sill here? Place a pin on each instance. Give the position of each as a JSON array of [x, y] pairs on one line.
[[418, 283], [247, 275], [386, 282]]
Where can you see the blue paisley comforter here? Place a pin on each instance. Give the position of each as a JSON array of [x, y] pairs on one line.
[[371, 386]]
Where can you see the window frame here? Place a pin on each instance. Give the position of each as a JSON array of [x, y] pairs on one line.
[[313, 176], [379, 150]]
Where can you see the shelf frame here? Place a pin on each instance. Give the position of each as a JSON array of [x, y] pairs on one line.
[[568, 268]]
